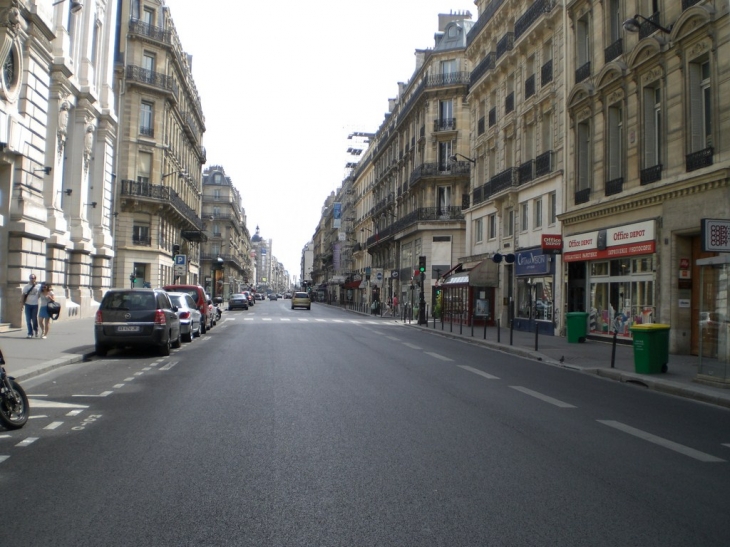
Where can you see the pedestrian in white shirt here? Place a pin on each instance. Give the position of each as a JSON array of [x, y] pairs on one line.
[[31, 292]]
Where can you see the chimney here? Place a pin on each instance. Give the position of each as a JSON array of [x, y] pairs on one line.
[[420, 58], [391, 104], [446, 18]]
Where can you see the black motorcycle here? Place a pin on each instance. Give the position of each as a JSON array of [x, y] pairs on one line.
[[14, 407], [218, 307]]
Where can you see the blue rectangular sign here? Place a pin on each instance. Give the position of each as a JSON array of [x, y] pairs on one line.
[[532, 262]]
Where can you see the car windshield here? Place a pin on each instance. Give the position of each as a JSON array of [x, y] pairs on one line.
[[178, 300], [301, 295]]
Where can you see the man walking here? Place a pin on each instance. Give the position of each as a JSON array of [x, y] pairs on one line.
[[31, 293]]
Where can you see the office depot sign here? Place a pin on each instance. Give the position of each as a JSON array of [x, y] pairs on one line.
[[629, 240]]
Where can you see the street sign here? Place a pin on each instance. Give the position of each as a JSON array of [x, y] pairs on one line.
[[181, 265], [379, 276], [394, 274]]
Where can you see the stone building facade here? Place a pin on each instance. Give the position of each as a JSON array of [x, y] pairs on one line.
[[160, 152], [58, 129]]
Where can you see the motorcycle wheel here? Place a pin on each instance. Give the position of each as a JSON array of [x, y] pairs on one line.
[[14, 416]]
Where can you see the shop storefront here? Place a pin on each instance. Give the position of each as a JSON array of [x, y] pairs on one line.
[[535, 282], [612, 276], [468, 296]]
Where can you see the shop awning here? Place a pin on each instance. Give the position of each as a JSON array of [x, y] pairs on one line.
[[352, 285], [485, 274], [452, 270]]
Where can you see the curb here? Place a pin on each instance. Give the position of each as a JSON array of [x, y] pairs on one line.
[[42, 368]]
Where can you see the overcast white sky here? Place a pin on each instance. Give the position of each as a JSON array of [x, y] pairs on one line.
[[283, 83]]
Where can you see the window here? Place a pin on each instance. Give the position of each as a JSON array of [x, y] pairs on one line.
[[148, 61], [583, 148], [144, 167], [552, 208], [216, 230], [547, 132], [217, 195], [446, 150], [95, 43], [582, 49], [148, 16], [614, 153], [508, 152], [444, 199], [492, 225], [216, 212], [615, 24], [652, 127], [446, 116], [700, 121], [546, 71], [509, 101], [146, 119], [524, 217], [479, 230], [528, 152], [509, 223], [448, 67], [537, 212], [215, 249], [134, 9], [141, 235]]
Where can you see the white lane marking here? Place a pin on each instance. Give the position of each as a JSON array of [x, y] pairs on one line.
[[35, 417], [479, 372], [33, 403], [118, 386], [4, 436], [229, 319], [437, 356], [726, 444], [75, 412], [285, 319], [147, 368], [248, 318], [168, 366], [542, 397], [666, 443], [267, 318], [27, 442], [154, 364], [3, 458], [393, 338], [129, 379], [338, 320], [37, 395], [53, 425], [321, 320], [412, 346], [102, 394], [303, 320], [141, 373], [204, 339]]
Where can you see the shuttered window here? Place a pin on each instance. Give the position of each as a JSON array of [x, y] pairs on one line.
[[615, 143], [652, 127], [583, 161], [700, 106]]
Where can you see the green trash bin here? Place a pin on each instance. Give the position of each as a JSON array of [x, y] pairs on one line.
[[651, 348], [577, 322]]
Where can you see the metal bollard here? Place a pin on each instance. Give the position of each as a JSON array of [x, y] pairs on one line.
[[499, 330], [537, 328], [485, 327], [511, 329], [613, 349]]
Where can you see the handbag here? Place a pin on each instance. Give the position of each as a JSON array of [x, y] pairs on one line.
[[54, 309]]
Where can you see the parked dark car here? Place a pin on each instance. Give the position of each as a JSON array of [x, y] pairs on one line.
[[272, 296], [137, 318], [238, 301], [201, 301]]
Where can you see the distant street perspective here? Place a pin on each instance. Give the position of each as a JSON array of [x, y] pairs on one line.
[[379, 273]]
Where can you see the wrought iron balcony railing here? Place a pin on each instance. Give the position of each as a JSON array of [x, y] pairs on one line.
[[488, 63], [647, 28], [583, 72], [699, 159], [484, 18], [137, 26], [531, 15], [445, 124], [544, 163], [546, 73], [614, 186], [505, 44], [504, 180], [448, 78], [141, 240], [526, 171], [480, 126], [439, 169], [152, 78], [159, 193], [530, 86], [423, 214], [582, 196], [613, 51], [650, 174]]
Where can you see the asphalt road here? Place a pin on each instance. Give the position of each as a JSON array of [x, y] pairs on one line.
[[292, 427]]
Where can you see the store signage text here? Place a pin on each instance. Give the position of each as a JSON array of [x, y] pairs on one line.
[[621, 241]]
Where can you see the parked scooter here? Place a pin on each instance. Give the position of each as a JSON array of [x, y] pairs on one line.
[[14, 407], [218, 302]]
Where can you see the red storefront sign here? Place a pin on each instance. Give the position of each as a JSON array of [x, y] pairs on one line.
[[633, 249], [552, 243]]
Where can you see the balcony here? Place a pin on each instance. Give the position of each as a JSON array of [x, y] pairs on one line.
[[504, 180], [544, 163], [686, 4], [505, 44], [484, 18], [487, 64], [546, 73], [530, 86], [147, 131], [493, 116], [448, 78], [583, 72], [646, 28], [480, 126], [141, 240], [582, 196], [439, 170], [445, 124], [650, 174], [526, 172], [699, 159], [161, 194], [423, 214], [141, 28], [613, 51], [614, 186], [531, 15], [153, 79]]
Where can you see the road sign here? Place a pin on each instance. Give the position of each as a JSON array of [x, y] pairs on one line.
[[181, 260], [394, 274], [379, 276]]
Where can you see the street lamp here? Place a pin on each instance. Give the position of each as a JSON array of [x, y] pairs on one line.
[[633, 25], [454, 158], [75, 6]]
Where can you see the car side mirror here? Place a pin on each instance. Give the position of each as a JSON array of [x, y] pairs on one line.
[[175, 309]]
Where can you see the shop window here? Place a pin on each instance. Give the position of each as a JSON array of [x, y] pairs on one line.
[[599, 269], [620, 267]]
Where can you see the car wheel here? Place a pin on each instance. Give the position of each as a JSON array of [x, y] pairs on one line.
[[197, 331], [165, 348], [309, 307], [100, 350], [202, 326]]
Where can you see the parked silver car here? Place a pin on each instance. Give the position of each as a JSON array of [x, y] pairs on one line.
[[190, 317]]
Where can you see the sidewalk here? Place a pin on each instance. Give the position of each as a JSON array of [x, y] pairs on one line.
[[70, 341], [591, 357]]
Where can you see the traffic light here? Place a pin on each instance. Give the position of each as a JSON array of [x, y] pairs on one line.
[[422, 264], [175, 249]]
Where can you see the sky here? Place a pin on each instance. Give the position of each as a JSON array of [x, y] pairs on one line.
[[283, 84]]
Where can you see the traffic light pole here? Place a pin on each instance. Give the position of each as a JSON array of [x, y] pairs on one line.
[[422, 303]]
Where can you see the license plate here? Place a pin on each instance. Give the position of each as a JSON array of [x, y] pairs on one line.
[[127, 329]]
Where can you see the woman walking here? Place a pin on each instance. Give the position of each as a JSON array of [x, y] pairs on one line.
[[45, 297]]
